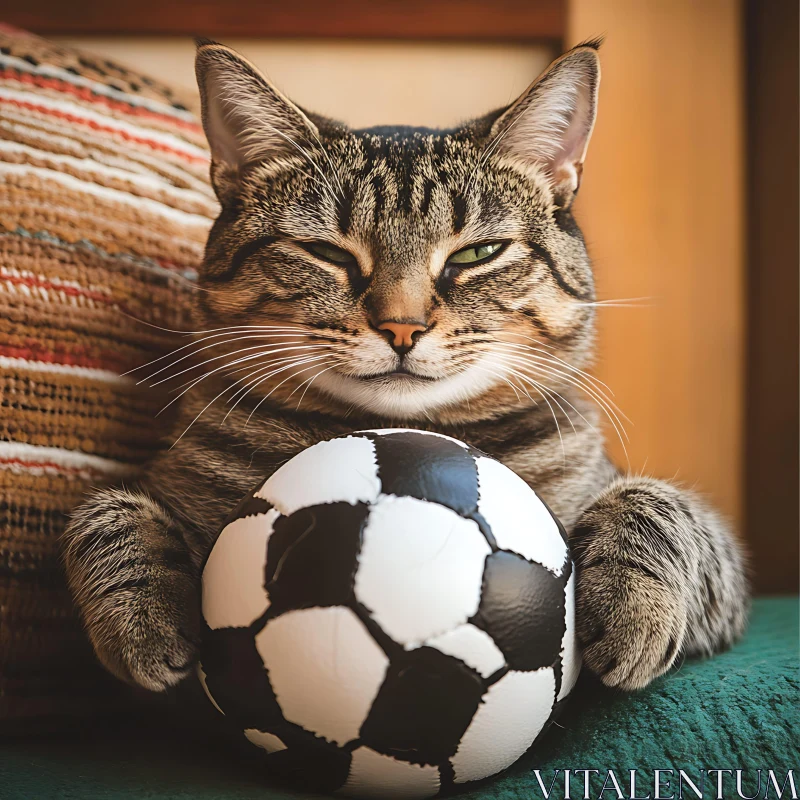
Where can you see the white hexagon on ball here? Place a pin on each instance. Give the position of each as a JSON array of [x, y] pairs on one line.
[[473, 646], [519, 520], [339, 470], [374, 775], [570, 653], [420, 568], [513, 712], [266, 741], [325, 669], [234, 595], [204, 683]]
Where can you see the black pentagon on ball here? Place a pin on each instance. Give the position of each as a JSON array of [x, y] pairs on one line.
[[427, 467], [236, 678], [308, 762], [249, 507], [426, 702], [522, 609], [312, 556]]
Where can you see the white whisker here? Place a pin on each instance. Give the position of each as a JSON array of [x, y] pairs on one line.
[[488, 150], [256, 377], [214, 399], [228, 341], [543, 354], [542, 366], [623, 302], [284, 339], [213, 372], [504, 379], [205, 338], [263, 123], [619, 428], [271, 391], [330, 164], [210, 330], [275, 347], [549, 405], [250, 363], [554, 394], [309, 381]]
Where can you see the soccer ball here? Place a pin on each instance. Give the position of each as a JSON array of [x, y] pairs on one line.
[[391, 613]]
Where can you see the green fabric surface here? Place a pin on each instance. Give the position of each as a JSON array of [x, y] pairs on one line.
[[738, 710]]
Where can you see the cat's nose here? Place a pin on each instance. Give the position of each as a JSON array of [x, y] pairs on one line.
[[402, 336]]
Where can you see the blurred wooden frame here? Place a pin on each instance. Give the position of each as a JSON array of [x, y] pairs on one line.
[[537, 20]]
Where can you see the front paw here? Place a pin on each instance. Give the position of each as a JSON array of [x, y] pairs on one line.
[[146, 635], [631, 625], [136, 586]]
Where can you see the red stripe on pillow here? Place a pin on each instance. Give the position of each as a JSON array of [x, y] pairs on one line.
[[84, 93], [105, 129]]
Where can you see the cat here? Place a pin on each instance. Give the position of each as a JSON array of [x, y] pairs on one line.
[[401, 277]]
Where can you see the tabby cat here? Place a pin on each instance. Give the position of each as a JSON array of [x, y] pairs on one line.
[[400, 277]]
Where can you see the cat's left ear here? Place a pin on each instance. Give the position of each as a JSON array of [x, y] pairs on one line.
[[247, 120], [551, 122]]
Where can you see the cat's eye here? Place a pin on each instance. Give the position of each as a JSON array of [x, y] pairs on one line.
[[329, 252], [475, 254]]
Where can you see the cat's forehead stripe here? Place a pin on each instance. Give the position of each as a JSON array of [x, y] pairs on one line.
[[398, 173]]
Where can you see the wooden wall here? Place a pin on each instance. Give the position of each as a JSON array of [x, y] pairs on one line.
[[361, 82], [662, 207], [771, 444], [510, 20]]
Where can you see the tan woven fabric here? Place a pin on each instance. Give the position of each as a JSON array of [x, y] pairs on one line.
[[104, 211]]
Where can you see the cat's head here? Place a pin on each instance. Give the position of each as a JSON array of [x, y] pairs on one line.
[[407, 272]]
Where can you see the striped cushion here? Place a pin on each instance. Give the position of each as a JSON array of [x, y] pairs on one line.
[[104, 210]]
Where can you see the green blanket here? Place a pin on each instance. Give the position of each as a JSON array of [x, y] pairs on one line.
[[739, 710]]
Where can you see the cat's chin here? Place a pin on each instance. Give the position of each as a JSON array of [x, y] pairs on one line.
[[404, 395]]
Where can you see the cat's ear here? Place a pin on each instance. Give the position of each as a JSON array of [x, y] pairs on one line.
[[246, 119], [551, 122]]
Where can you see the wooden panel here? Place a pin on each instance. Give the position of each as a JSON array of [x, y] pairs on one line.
[[661, 206], [361, 82], [381, 19], [772, 425]]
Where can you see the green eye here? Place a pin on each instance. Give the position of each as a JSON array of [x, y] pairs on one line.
[[330, 252], [475, 254]]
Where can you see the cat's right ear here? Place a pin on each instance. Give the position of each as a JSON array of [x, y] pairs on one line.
[[551, 123], [246, 119]]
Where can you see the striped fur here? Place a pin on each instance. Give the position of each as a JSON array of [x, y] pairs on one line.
[[292, 352]]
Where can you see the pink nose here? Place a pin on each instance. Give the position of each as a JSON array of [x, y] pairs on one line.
[[402, 333]]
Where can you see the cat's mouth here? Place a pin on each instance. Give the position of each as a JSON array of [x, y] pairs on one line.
[[399, 391], [399, 374]]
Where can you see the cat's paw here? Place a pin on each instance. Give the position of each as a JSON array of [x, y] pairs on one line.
[[148, 636], [631, 625], [136, 587]]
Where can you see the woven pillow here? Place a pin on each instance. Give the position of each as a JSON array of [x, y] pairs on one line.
[[104, 210]]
